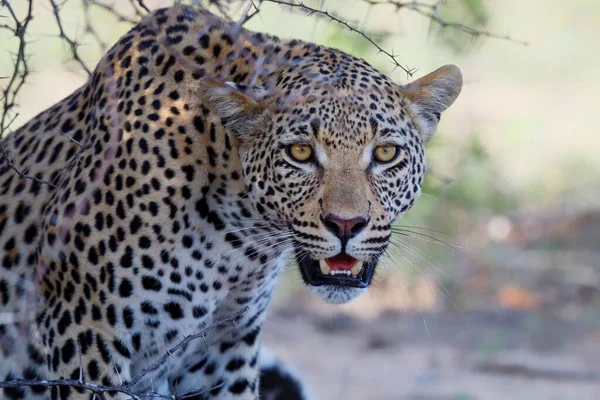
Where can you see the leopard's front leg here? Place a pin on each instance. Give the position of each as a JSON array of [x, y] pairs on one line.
[[236, 367], [225, 366]]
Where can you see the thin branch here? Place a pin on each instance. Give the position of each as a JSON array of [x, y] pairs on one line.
[[73, 45], [431, 11], [89, 27], [21, 68], [184, 342], [127, 388], [141, 4], [16, 82], [22, 173], [332, 17], [98, 390], [247, 16], [111, 9], [20, 73], [470, 31]]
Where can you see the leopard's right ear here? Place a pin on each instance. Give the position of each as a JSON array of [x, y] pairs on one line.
[[432, 94], [237, 106]]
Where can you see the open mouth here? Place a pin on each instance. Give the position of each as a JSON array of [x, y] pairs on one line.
[[341, 270]]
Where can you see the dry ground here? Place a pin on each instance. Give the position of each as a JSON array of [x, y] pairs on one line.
[[459, 356], [519, 320]]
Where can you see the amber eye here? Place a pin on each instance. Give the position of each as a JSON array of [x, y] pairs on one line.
[[300, 152], [386, 153]]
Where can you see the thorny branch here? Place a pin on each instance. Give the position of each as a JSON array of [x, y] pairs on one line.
[[11, 86], [73, 45], [21, 67], [16, 81], [332, 17], [127, 388], [90, 29], [110, 8], [428, 10], [432, 12], [184, 343]]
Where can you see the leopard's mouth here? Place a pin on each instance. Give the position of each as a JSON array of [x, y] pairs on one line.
[[339, 270]]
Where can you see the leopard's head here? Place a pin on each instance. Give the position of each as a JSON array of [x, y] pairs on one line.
[[334, 159]]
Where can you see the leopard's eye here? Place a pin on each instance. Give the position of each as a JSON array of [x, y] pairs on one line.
[[300, 152], [386, 153]]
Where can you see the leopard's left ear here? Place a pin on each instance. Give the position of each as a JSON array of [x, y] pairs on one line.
[[432, 94], [237, 106]]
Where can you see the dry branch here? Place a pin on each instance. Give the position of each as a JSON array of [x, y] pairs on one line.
[[332, 17], [127, 388], [73, 45], [110, 8], [21, 71], [431, 12], [21, 68], [12, 85], [15, 83]]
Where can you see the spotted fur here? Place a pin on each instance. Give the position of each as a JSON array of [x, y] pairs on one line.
[[174, 201]]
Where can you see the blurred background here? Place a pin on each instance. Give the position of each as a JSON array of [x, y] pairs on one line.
[[492, 290]]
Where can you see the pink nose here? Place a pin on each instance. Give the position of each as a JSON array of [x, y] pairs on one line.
[[345, 228]]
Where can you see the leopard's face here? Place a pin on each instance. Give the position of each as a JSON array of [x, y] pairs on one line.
[[332, 173], [336, 174]]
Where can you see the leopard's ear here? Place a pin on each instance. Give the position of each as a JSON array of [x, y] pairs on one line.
[[432, 94], [237, 106]]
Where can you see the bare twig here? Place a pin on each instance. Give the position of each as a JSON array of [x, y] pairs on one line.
[[76, 158], [431, 11], [332, 17], [73, 45], [111, 9], [184, 342], [21, 68], [13, 84], [468, 30], [22, 173], [141, 4], [127, 388], [89, 27], [16, 82], [98, 390], [248, 14]]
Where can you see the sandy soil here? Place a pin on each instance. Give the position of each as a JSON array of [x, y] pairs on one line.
[[474, 355]]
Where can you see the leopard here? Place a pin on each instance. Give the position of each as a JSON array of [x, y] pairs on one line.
[[170, 192]]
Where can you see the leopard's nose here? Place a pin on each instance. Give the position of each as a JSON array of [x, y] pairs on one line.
[[344, 228]]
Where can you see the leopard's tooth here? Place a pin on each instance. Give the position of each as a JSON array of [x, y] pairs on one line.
[[356, 268], [324, 267]]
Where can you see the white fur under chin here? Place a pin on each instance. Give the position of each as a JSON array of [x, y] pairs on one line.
[[337, 294]]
